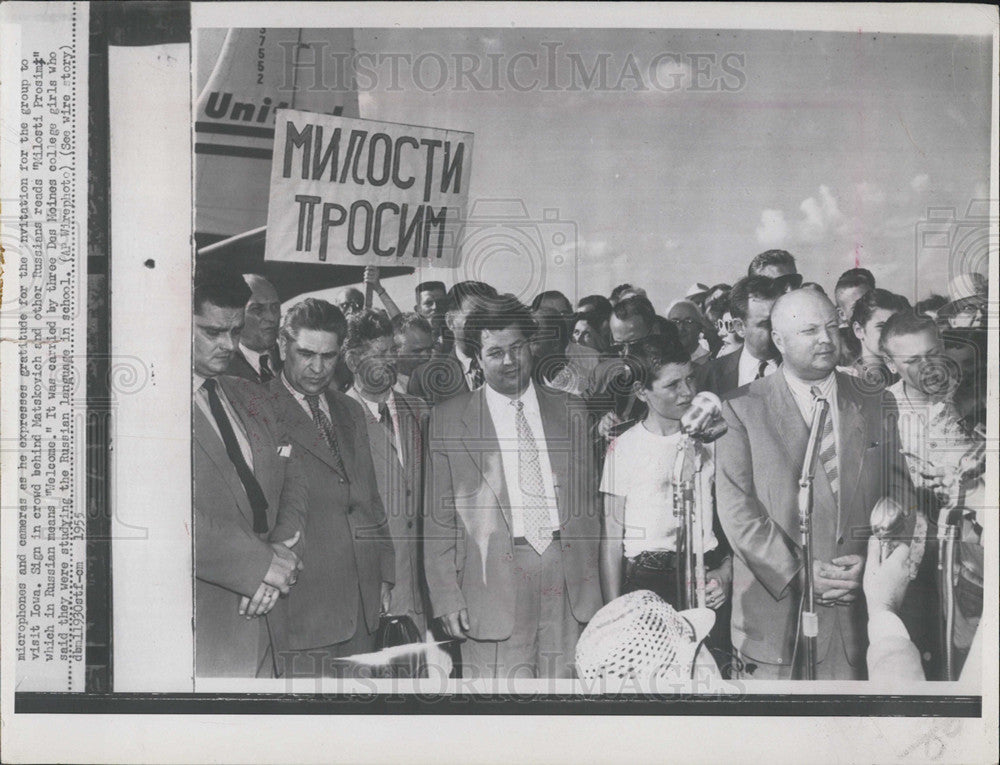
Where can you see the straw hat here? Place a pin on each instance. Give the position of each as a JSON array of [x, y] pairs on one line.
[[641, 636]]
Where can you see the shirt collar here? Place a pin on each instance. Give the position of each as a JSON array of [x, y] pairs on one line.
[[197, 382], [254, 356], [300, 397], [372, 406], [498, 400], [463, 359], [803, 388]]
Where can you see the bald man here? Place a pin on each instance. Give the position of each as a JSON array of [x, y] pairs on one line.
[[256, 358], [758, 464]]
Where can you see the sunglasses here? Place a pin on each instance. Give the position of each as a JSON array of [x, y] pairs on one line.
[[729, 325]]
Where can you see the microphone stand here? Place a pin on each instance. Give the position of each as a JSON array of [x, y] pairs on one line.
[[809, 627]]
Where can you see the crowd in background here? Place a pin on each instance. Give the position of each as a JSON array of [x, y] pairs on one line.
[[499, 470]]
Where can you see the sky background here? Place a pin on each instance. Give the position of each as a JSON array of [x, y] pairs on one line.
[[833, 146]]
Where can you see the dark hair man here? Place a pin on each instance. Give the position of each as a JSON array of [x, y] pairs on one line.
[[249, 494], [750, 303], [511, 526], [395, 422], [778, 265], [553, 300], [349, 559], [868, 315], [852, 285], [414, 346]]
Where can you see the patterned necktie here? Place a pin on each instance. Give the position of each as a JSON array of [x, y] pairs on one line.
[[535, 510], [258, 504], [266, 375], [828, 447], [385, 417], [475, 377], [761, 368], [326, 430]]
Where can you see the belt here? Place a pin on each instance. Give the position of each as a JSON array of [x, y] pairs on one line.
[[524, 540], [666, 560]]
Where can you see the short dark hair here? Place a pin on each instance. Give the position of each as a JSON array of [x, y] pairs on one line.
[[537, 302], [620, 290], [648, 356], [906, 323], [597, 306], [365, 326], [931, 303], [219, 286], [633, 306], [502, 312], [855, 277], [875, 300], [429, 287], [315, 314], [410, 320], [770, 258], [757, 287], [461, 291], [718, 308]]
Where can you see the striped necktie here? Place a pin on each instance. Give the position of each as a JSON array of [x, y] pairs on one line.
[[828, 447], [326, 430]]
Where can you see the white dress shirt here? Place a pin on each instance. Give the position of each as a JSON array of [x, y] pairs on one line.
[[749, 367], [301, 398], [802, 393], [201, 401], [253, 358], [502, 411], [372, 407]]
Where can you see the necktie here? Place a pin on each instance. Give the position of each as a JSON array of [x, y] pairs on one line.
[[266, 375], [258, 504], [475, 376], [535, 513], [385, 417], [828, 448], [326, 430], [761, 368]]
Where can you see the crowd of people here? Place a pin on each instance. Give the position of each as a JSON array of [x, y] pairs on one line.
[[499, 472]]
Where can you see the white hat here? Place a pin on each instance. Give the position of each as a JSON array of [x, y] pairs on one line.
[[640, 636], [696, 290]]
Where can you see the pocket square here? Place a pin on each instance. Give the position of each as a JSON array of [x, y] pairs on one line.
[[285, 451]]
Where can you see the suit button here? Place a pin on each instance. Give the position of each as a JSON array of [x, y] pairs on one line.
[[409, 524], [341, 480], [350, 510], [409, 492], [840, 541]]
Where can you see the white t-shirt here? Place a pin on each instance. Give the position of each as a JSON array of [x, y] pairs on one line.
[[639, 467]]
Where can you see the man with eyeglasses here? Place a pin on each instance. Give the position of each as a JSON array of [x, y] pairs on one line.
[[750, 303], [778, 265], [690, 323]]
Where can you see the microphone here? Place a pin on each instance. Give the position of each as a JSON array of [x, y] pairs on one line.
[[703, 420], [887, 519]]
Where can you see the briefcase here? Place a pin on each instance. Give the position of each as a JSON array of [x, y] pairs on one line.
[[396, 631]]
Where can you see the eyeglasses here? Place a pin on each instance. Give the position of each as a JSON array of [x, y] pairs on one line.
[[687, 322], [729, 325]]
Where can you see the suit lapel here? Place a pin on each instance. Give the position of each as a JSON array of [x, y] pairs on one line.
[[301, 428], [787, 419], [211, 443], [481, 444]]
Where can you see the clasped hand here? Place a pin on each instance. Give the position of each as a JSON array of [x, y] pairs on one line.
[[280, 576], [837, 582]]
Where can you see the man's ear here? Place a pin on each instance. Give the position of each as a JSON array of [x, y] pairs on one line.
[[779, 343], [858, 330], [888, 362], [351, 359], [639, 391], [282, 346]]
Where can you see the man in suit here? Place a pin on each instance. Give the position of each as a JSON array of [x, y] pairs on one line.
[[758, 463], [349, 563], [414, 338], [457, 371], [256, 358], [512, 527], [249, 495], [750, 304], [395, 426]]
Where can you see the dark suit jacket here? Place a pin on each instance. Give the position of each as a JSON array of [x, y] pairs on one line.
[[758, 463], [438, 379], [400, 484], [721, 376], [346, 549], [240, 367], [468, 546], [230, 559]]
